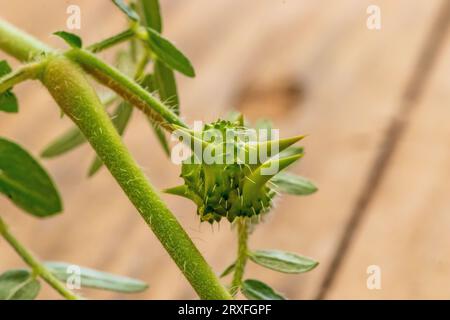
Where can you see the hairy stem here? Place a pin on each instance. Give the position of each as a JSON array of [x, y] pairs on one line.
[[127, 88], [37, 267], [19, 44], [65, 82], [242, 255], [68, 85], [26, 72]]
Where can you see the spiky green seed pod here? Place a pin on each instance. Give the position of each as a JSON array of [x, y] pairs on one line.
[[237, 183]]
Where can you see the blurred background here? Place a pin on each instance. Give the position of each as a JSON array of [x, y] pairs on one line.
[[376, 107]]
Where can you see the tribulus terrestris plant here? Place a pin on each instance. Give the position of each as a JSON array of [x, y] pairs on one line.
[[234, 188]]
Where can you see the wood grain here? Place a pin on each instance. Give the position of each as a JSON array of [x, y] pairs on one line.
[[405, 231], [313, 67]]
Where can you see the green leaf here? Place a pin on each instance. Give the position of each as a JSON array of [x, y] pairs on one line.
[[126, 9], [257, 290], [18, 284], [96, 165], [162, 139], [169, 54], [286, 262], [71, 39], [96, 279], [124, 62], [152, 14], [228, 270], [73, 137], [120, 119], [150, 84], [293, 184], [8, 101], [4, 68], [121, 116], [66, 142], [25, 182], [165, 84]]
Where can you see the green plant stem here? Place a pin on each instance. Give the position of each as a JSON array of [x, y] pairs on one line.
[[112, 41], [26, 72], [37, 267], [19, 44], [242, 255], [126, 115], [140, 67], [127, 88], [65, 80], [68, 85]]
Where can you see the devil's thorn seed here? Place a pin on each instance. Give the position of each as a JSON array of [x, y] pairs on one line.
[[229, 190]]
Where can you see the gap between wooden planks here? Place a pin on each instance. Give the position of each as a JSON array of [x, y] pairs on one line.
[[404, 230], [355, 79]]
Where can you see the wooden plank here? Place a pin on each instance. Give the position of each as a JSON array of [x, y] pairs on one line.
[[353, 86], [405, 231], [350, 79]]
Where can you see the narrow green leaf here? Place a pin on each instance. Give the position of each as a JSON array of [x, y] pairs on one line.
[[282, 261], [120, 119], [71, 39], [293, 184], [228, 270], [121, 116], [96, 279], [25, 182], [66, 142], [151, 84], [73, 137], [126, 9], [165, 84], [160, 134], [96, 165], [18, 284], [111, 41], [124, 62], [4, 68], [8, 100], [169, 54], [152, 14], [257, 290]]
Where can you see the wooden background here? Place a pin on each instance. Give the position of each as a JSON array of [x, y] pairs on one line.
[[374, 103]]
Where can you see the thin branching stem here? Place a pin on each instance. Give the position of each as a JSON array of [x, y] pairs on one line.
[[242, 255], [37, 267], [127, 88], [111, 41], [25, 72], [22, 46], [68, 85]]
